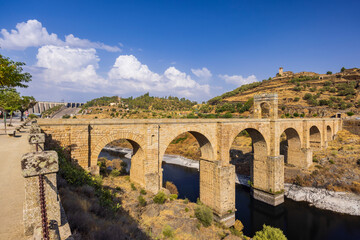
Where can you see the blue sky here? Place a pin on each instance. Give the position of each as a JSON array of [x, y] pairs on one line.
[[78, 50]]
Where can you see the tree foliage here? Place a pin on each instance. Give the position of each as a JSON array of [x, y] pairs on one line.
[[11, 74], [269, 233]]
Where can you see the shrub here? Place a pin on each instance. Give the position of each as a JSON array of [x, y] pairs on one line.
[[350, 113], [66, 116], [329, 72], [115, 173], [168, 231], [186, 209], [186, 200], [142, 201], [297, 89], [358, 162], [331, 161], [296, 99], [315, 160], [171, 187], [296, 114], [173, 197], [204, 214], [237, 229], [159, 198], [332, 90], [342, 69], [269, 233], [133, 186], [32, 116], [142, 192], [307, 96]]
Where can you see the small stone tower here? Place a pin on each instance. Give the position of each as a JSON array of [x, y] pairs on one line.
[[281, 71]]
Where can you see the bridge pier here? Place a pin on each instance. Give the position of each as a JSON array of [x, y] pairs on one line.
[[268, 183], [217, 190]]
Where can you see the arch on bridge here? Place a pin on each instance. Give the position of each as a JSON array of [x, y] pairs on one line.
[[137, 158], [315, 137], [258, 166], [265, 110], [329, 134], [291, 147], [206, 147]]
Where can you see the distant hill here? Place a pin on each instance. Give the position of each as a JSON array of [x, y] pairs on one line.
[[301, 94]]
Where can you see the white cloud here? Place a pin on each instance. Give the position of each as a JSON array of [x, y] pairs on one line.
[[69, 68], [129, 74], [238, 79], [33, 34], [203, 73]]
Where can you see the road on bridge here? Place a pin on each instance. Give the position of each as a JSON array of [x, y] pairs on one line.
[[12, 192]]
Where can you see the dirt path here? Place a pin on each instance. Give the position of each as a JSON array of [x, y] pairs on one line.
[[12, 186]]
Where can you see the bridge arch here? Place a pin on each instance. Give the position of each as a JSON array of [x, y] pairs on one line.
[[135, 139], [315, 137], [206, 146], [258, 166], [265, 110], [138, 156], [329, 133], [291, 147]]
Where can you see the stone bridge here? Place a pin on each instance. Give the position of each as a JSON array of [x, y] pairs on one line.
[[84, 140]]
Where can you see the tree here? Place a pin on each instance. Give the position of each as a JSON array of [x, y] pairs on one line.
[[9, 102], [329, 72], [342, 69], [269, 233], [26, 102], [11, 74]]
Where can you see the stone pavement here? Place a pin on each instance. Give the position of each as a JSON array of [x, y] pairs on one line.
[[12, 192]]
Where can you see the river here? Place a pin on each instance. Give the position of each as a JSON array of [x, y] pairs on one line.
[[297, 220]]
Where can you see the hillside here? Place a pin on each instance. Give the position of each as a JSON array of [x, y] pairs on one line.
[[305, 94]]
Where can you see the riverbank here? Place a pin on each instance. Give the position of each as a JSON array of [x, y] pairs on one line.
[[340, 202]]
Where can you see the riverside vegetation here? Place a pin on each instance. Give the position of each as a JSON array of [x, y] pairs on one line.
[[111, 207]]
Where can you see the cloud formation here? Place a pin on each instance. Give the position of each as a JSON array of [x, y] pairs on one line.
[[33, 34], [129, 74], [69, 68], [203, 73], [238, 79]]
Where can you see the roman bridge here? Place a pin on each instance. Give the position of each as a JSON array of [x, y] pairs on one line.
[[84, 140]]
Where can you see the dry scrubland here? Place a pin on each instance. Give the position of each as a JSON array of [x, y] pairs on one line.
[[335, 168]]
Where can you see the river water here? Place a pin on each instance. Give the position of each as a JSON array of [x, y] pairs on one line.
[[297, 220]]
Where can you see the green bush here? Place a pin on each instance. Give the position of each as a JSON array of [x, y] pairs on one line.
[[350, 114], [173, 197], [168, 231], [32, 116], [204, 214], [329, 72], [133, 186], [269, 233], [115, 173], [160, 198], [186, 209], [186, 200], [296, 99], [142, 192], [142, 201], [66, 116]]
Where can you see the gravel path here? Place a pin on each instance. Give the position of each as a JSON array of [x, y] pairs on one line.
[[12, 191]]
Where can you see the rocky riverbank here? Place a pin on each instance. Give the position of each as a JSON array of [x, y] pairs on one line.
[[341, 202]]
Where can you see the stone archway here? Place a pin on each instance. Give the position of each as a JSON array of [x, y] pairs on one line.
[[291, 149], [137, 172], [329, 136], [258, 165], [265, 110], [315, 137]]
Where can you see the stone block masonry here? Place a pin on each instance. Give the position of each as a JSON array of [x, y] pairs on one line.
[[84, 139]]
